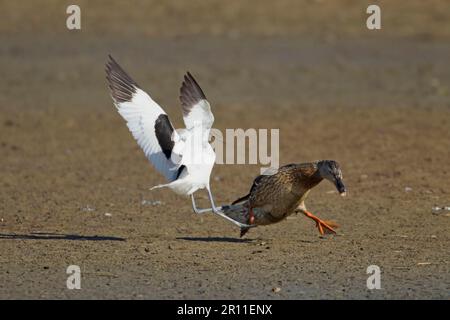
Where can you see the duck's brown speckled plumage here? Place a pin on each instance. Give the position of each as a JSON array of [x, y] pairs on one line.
[[281, 193], [274, 197]]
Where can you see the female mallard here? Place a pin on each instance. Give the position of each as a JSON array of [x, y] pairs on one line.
[[274, 197]]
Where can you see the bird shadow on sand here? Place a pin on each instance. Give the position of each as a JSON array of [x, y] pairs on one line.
[[215, 239], [57, 236]]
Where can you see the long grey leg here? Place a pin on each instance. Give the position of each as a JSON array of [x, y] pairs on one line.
[[211, 199], [219, 212], [196, 210]]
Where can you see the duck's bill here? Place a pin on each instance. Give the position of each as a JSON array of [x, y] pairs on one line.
[[341, 188]]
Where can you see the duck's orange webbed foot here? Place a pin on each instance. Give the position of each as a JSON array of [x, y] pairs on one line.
[[323, 225]]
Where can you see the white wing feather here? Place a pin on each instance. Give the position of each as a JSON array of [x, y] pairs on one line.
[[196, 109], [141, 113]]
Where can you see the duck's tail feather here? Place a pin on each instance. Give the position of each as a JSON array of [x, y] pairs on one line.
[[244, 231]]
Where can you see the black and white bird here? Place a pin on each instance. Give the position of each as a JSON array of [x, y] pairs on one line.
[[185, 157]]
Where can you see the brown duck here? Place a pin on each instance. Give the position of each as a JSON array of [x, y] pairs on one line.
[[274, 197]]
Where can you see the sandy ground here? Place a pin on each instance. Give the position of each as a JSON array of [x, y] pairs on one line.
[[379, 104]]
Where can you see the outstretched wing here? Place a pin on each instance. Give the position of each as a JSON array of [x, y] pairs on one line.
[[146, 120], [196, 109]]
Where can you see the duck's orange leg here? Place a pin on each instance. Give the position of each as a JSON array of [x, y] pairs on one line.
[[323, 226], [251, 220], [251, 216]]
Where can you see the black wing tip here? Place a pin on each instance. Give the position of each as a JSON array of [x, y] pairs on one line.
[[190, 92], [189, 76], [111, 63], [122, 86]]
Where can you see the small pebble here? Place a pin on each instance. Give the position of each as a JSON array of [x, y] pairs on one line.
[[276, 289], [108, 214], [151, 203], [440, 210], [88, 209]]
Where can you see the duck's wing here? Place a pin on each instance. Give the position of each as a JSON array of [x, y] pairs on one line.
[[241, 199], [268, 172], [255, 184], [196, 109], [146, 120]]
